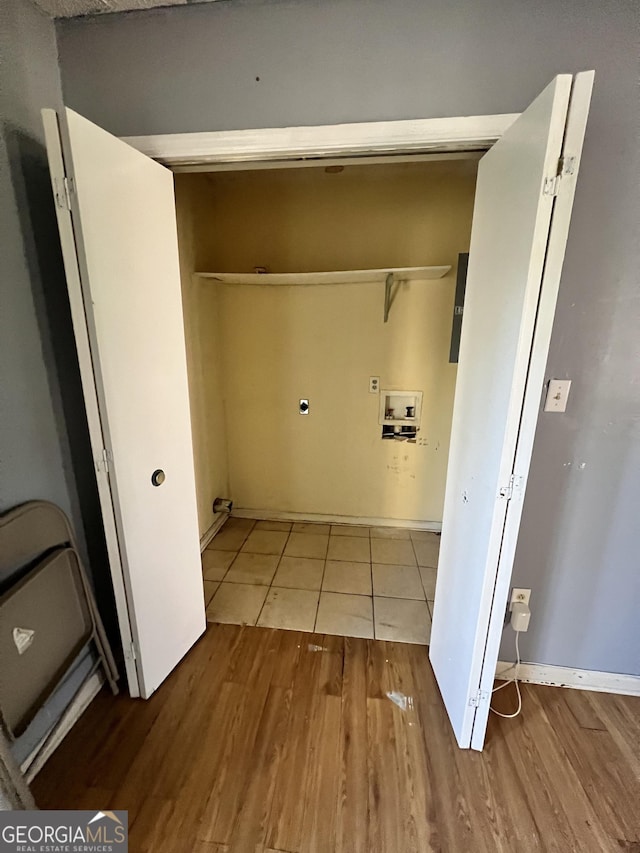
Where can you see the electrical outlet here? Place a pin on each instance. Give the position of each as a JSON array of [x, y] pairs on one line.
[[374, 384], [519, 595]]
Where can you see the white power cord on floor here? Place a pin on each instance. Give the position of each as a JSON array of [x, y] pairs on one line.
[[513, 680]]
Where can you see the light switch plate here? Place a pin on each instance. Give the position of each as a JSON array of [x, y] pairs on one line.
[[557, 395]]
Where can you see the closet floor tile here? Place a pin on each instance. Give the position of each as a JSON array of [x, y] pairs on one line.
[[349, 530], [311, 527], [397, 581], [228, 539], [402, 621], [423, 535], [237, 603], [428, 576], [395, 552], [350, 577], [345, 615], [252, 568], [233, 523], [427, 551], [292, 609], [349, 548], [210, 588], [307, 545], [216, 563], [265, 542], [299, 573], [389, 533], [299, 577], [277, 526]]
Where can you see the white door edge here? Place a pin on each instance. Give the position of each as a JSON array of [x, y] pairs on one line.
[[76, 300], [558, 233]]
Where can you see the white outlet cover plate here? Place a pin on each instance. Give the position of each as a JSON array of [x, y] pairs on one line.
[[557, 395], [521, 595], [374, 384]]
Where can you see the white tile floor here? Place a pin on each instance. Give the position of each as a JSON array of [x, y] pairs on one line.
[[376, 582]]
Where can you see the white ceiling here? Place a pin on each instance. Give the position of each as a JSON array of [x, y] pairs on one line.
[[75, 8]]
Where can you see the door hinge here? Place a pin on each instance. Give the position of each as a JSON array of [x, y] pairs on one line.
[[102, 464], [64, 191], [566, 166], [130, 652], [478, 698], [551, 185], [513, 487]]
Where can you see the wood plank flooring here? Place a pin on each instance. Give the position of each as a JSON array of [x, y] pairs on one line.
[[269, 741]]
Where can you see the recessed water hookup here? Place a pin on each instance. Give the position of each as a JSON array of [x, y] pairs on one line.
[[399, 414]]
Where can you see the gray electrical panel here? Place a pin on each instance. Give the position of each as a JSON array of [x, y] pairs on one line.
[[458, 308]]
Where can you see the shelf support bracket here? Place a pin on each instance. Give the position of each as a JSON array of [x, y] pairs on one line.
[[388, 285]]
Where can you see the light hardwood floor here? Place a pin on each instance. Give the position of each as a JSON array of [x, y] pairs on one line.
[[265, 740]]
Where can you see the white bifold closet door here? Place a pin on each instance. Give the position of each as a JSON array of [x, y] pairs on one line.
[[521, 218], [117, 220]]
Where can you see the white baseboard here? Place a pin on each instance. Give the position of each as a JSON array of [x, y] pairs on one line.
[[218, 521], [273, 515], [89, 690], [577, 679]]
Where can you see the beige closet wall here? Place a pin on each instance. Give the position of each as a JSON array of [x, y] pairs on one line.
[[323, 342], [201, 307]]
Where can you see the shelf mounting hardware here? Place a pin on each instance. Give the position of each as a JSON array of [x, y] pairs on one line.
[[388, 287]]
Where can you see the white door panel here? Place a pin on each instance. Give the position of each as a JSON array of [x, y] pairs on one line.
[[571, 153], [511, 223], [126, 241]]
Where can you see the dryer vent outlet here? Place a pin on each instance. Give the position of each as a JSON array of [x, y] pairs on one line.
[[222, 505]]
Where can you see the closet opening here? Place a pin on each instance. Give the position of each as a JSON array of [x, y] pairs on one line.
[[319, 406], [322, 310]]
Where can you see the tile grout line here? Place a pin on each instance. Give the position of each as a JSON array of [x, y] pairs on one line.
[[373, 601], [415, 554], [228, 569], [274, 574], [324, 569], [424, 589]]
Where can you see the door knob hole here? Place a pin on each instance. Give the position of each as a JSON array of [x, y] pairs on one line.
[[158, 477]]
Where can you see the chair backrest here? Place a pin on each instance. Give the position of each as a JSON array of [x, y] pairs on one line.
[[27, 533], [45, 621]]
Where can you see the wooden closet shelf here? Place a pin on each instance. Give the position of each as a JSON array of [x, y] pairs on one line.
[[331, 277]]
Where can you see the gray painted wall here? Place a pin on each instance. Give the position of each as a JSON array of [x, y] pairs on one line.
[[34, 454], [44, 441], [44, 448], [322, 61]]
